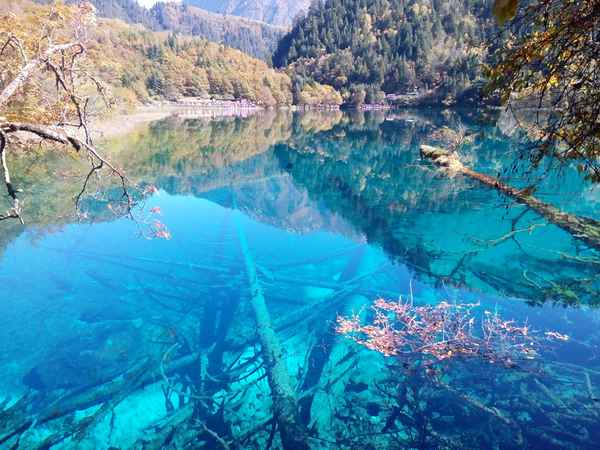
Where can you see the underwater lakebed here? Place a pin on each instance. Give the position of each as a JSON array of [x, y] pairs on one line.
[[112, 340]]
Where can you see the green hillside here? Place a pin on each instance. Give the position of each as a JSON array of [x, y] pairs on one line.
[[258, 39], [368, 48]]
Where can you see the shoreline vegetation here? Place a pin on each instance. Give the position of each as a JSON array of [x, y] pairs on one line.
[[196, 108], [149, 75], [114, 125]]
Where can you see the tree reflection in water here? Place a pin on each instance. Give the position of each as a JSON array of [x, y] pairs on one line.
[[338, 209]]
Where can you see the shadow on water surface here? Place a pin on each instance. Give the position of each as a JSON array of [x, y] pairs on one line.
[[124, 342]]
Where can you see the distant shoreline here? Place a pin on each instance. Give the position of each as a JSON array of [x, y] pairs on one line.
[[123, 123], [126, 122]]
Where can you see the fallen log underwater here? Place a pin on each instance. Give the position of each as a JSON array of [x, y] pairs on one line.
[[582, 228], [17, 419], [327, 350], [294, 436]]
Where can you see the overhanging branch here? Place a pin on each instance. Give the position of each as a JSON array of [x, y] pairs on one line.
[[29, 69], [60, 136]]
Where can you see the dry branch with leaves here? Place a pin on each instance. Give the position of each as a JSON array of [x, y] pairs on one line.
[[49, 70], [548, 60], [443, 331]]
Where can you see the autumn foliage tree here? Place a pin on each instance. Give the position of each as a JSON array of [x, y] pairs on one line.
[[549, 57], [61, 68], [48, 91]]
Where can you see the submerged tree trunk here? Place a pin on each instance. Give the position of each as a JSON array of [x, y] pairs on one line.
[[293, 435], [328, 351], [582, 228], [17, 418]]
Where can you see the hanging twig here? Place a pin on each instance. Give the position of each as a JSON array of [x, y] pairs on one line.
[[30, 68]]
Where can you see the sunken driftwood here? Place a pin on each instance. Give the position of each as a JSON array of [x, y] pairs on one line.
[[328, 351], [294, 436], [582, 228], [17, 419]]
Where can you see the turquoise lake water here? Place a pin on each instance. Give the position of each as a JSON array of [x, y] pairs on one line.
[[118, 341]]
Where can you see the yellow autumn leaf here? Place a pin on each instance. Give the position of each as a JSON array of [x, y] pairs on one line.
[[505, 10]]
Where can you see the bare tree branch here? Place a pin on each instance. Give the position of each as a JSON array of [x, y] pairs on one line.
[[29, 69], [61, 136], [62, 61], [15, 43]]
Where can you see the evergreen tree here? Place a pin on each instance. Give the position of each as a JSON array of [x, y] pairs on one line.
[[393, 46]]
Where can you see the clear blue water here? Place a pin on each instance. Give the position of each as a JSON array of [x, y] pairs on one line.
[[337, 210]]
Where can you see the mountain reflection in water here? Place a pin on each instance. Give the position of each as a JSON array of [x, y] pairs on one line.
[[339, 209]]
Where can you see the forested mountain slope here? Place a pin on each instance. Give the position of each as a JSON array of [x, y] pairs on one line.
[[258, 39], [137, 64], [277, 12], [170, 66], [255, 38], [366, 48]]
